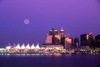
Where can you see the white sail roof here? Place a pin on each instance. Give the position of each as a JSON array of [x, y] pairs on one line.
[[18, 46], [28, 46], [32, 46], [37, 46], [23, 46]]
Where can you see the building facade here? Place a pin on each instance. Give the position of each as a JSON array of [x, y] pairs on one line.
[[96, 42], [54, 39], [68, 42], [76, 42], [53, 32], [86, 39]]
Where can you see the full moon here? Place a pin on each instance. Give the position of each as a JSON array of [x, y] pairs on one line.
[[26, 21]]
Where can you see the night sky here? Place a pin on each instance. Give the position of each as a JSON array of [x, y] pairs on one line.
[[75, 16]]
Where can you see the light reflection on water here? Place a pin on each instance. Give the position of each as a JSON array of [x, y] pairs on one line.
[[68, 54], [30, 55], [33, 60]]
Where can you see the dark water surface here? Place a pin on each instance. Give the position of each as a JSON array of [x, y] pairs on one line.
[[49, 61]]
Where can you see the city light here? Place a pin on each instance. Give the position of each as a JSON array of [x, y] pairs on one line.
[[8, 47]]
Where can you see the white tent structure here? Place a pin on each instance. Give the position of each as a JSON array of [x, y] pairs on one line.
[[37, 46], [23, 46], [18, 46], [28, 46], [8, 47], [33, 47]]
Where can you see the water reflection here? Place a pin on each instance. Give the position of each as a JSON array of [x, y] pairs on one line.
[[68, 54], [32, 54]]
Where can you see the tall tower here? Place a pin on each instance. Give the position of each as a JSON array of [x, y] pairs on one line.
[[62, 32]]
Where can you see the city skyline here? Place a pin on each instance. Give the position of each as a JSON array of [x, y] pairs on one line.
[[57, 34], [76, 17]]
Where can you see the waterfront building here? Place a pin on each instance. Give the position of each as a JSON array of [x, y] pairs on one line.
[[53, 39], [85, 48], [86, 39], [97, 41], [53, 32], [33, 47], [56, 39], [68, 42], [72, 42], [8, 47], [37, 46], [63, 41], [28, 46], [52, 46], [76, 42], [18, 46], [48, 39], [23, 46], [62, 32]]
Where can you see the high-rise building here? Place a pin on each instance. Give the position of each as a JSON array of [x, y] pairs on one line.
[[62, 32], [68, 42], [53, 32], [53, 39], [63, 41], [97, 41], [72, 41], [48, 39], [56, 39], [86, 39], [76, 41]]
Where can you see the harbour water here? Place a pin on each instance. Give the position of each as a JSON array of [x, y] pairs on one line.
[[36, 60]]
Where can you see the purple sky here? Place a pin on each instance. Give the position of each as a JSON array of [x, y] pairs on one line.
[[75, 16]]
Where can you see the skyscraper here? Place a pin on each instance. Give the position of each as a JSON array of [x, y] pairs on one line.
[[68, 43], [53, 32], [62, 37], [76, 41], [53, 39], [62, 32], [48, 39], [97, 41], [86, 39]]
